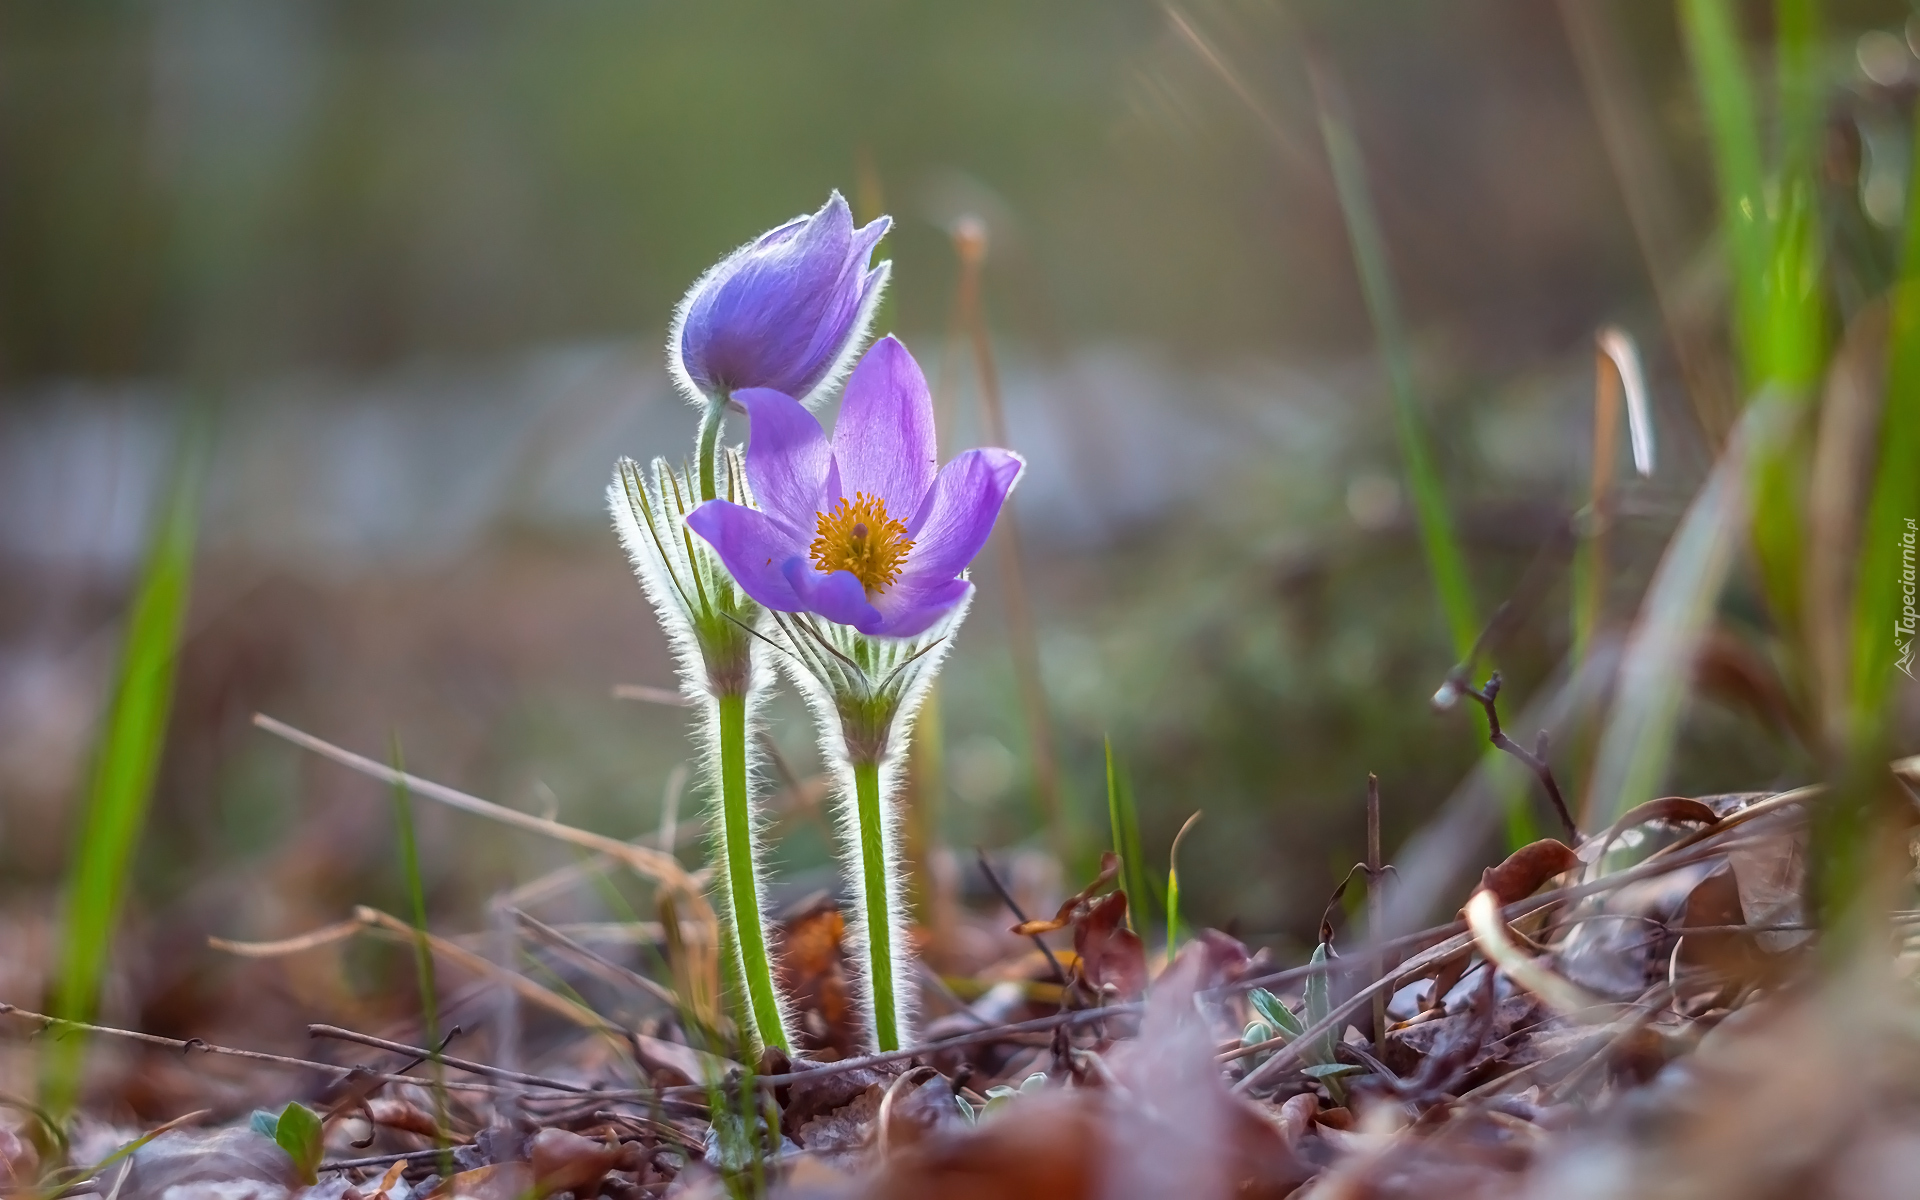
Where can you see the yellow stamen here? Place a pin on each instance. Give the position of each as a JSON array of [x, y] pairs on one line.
[[860, 537]]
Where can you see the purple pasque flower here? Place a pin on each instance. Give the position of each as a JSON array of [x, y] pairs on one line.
[[860, 529], [786, 311]]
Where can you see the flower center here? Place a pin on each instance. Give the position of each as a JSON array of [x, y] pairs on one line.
[[858, 536]]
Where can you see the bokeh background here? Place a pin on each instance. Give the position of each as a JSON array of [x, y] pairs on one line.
[[419, 258]]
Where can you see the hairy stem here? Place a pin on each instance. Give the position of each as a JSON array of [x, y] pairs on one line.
[[873, 869], [710, 426], [756, 965]]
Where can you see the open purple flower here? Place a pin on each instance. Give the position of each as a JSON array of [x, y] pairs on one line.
[[860, 529], [786, 311]]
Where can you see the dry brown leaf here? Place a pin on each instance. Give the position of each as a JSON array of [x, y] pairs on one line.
[[1091, 1144], [1110, 954], [1620, 941], [839, 1138], [19, 1161], [398, 1114], [390, 1180], [813, 974], [568, 1162], [1668, 810], [1109, 867], [1295, 1118], [186, 1159], [671, 1064], [1526, 869], [499, 1181]]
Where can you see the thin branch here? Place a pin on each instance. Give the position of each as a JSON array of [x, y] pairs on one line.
[[983, 1037], [671, 697], [603, 966], [1376, 906], [1013, 906], [655, 864], [57, 1024], [459, 1064], [1536, 761], [386, 1160]]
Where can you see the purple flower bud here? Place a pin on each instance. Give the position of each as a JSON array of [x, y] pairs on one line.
[[787, 311]]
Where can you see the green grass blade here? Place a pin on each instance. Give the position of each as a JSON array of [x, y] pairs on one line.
[[1643, 724], [1318, 1005], [1125, 822], [1884, 592], [1444, 558], [1173, 887], [126, 762], [1797, 67], [1885, 586], [1733, 134], [1774, 250], [422, 950]]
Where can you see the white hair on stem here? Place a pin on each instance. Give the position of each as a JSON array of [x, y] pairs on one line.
[[680, 577], [825, 680]]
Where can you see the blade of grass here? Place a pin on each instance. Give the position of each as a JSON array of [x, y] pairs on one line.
[[1125, 821], [1653, 205], [1445, 561], [970, 247], [1884, 624], [1637, 742], [1773, 249], [422, 949], [126, 762], [1173, 887], [1733, 135], [1886, 581], [1444, 558], [1590, 561]]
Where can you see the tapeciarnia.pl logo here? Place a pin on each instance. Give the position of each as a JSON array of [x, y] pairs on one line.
[[1903, 629]]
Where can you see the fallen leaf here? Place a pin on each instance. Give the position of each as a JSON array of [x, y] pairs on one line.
[[398, 1114], [1295, 1118], [671, 1064], [568, 1162], [808, 1099], [1526, 869], [190, 1158], [1620, 941], [840, 1137], [499, 1181], [19, 1161], [1110, 953], [812, 965], [1109, 868], [1668, 810]]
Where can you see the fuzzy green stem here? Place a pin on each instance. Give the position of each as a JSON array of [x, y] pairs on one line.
[[710, 427], [873, 868], [755, 964]]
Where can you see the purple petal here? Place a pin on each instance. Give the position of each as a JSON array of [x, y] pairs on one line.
[[839, 597], [868, 236], [778, 312], [959, 512], [883, 442], [788, 457], [910, 607], [754, 548], [780, 233]]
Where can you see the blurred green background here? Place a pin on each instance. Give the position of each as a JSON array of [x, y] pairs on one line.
[[420, 257]]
